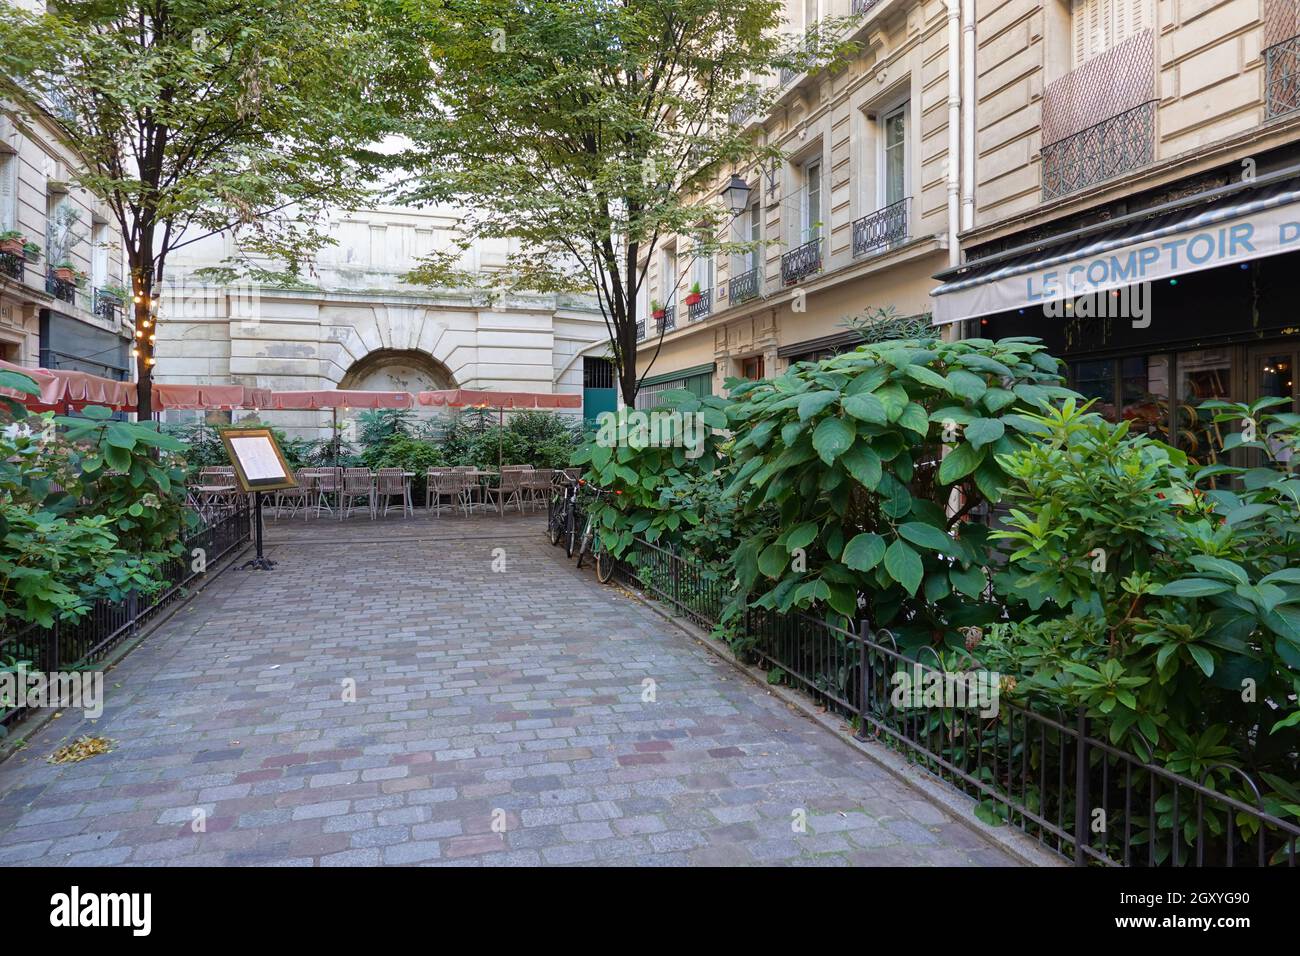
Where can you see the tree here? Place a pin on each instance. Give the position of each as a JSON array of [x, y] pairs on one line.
[[588, 131], [200, 116]]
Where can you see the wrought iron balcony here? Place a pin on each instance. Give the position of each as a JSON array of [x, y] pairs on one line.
[[1282, 78], [881, 229], [744, 109], [668, 322], [1114, 146], [744, 287], [106, 305], [703, 307], [59, 288], [640, 331], [798, 264], [12, 266], [863, 6]]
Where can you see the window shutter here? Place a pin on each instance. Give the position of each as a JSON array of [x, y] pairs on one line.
[[8, 191]]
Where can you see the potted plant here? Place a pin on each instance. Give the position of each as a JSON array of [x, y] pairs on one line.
[[113, 292], [65, 272], [12, 242], [31, 251], [694, 295], [657, 311]]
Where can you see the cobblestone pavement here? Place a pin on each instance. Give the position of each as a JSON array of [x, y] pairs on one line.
[[499, 718]]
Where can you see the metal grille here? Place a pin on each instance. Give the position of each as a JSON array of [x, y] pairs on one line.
[[640, 331], [863, 6], [698, 310], [597, 372], [881, 229], [1111, 148], [11, 266], [106, 304], [744, 287], [744, 109], [1282, 77], [65, 291], [1040, 771], [799, 263], [668, 322]]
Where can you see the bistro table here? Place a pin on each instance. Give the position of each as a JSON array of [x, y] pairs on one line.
[[208, 498]]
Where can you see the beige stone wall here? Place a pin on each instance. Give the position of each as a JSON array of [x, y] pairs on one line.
[[1209, 86], [836, 116]]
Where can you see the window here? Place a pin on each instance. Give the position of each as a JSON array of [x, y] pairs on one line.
[[755, 233], [752, 367], [99, 255], [893, 165], [747, 228], [811, 13], [812, 201], [668, 278], [702, 272], [597, 372], [8, 191], [1099, 25]]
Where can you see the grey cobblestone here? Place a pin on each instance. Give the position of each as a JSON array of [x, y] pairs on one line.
[[498, 721]]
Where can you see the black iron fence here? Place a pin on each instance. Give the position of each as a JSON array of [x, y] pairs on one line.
[[1118, 145], [701, 306], [881, 229], [1042, 772], [744, 287], [12, 266], [668, 322], [79, 644], [61, 289], [106, 304], [801, 262]]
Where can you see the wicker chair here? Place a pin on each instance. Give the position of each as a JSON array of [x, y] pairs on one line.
[[510, 489], [357, 483], [296, 498], [329, 481], [537, 484], [452, 486], [390, 483]]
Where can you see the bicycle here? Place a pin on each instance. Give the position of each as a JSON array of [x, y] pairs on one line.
[[560, 522], [602, 556]]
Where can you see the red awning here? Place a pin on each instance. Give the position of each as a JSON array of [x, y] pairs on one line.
[[61, 387], [468, 398], [214, 397], [338, 398]]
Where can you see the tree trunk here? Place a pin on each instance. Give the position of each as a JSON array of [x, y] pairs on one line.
[[141, 299]]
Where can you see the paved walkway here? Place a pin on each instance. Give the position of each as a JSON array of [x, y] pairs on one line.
[[499, 718]]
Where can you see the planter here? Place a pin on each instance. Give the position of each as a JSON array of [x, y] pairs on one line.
[[658, 314], [14, 247], [693, 298], [65, 274]]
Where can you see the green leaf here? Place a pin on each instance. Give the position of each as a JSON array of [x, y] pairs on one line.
[[774, 560], [801, 535], [914, 418], [983, 431], [970, 582], [904, 565], [832, 437], [866, 407], [814, 402], [1192, 587], [928, 536], [864, 552], [959, 463], [863, 464], [926, 376], [1204, 659], [966, 385]]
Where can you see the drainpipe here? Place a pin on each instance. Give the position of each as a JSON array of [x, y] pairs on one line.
[[954, 130], [968, 114]]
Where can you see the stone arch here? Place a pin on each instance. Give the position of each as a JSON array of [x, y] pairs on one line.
[[397, 370]]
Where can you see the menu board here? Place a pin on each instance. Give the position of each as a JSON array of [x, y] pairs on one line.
[[259, 463]]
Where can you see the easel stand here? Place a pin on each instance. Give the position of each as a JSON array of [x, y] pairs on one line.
[[260, 562]]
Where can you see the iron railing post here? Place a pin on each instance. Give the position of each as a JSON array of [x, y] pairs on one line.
[[1081, 787], [864, 682]]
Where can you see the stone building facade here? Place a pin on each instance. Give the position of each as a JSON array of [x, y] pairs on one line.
[[355, 324]]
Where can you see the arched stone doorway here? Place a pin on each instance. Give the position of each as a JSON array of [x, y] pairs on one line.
[[397, 370]]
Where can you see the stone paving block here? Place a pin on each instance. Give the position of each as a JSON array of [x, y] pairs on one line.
[[477, 694]]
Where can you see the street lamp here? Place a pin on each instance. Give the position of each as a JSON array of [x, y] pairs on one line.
[[736, 193]]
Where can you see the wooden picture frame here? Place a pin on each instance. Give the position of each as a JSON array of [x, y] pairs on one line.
[[248, 451]]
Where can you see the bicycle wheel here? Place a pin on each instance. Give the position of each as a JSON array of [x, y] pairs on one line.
[[570, 533], [584, 548], [604, 564], [556, 527]]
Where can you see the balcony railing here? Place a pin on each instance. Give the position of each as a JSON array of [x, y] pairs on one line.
[[106, 305], [881, 229], [668, 322], [59, 288], [798, 264], [1282, 78], [640, 331], [744, 109], [744, 287], [863, 6], [1114, 146], [698, 310], [12, 266]]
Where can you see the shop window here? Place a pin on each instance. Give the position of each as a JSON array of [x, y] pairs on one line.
[[1202, 375], [752, 368]]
